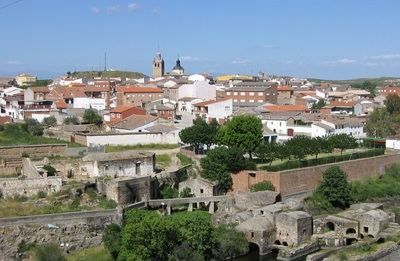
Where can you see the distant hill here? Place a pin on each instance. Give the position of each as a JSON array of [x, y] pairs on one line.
[[108, 74], [377, 81]]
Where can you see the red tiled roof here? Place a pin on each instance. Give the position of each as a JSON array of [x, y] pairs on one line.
[[126, 107], [73, 92], [61, 104], [139, 89], [206, 103], [286, 108], [342, 104], [97, 89], [284, 88], [40, 89], [5, 119]]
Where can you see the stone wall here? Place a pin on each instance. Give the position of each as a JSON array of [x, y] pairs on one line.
[[296, 181], [33, 150], [29, 186], [71, 231]]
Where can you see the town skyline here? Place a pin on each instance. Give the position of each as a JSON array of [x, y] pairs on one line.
[[209, 37]]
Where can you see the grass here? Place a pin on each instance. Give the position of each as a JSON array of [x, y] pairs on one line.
[[184, 159], [90, 254], [153, 146], [24, 138], [51, 204], [163, 160]]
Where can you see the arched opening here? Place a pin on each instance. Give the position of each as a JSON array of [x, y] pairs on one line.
[[370, 236], [350, 231], [350, 241], [277, 242], [253, 247], [284, 243], [381, 240], [361, 236], [329, 227]]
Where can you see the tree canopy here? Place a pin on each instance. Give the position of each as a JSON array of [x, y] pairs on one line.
[[342, 142], [335, 188], [392, 104], [92, 117], [262, 186], [200, 133], [243, 132]]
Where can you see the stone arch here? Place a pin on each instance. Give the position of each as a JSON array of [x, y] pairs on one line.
[[350, 241], [254, 247], [284, 243], [370, 236], [351, 231], [330, 226], [277, 242], [380, 240]]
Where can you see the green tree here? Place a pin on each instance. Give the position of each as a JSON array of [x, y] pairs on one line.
[[71, 120], [220, 161], [392, 104], [262, 186], [318, 105], [381, 124], [200, 133], [342, 142], [335, 188], [229, 243], [185, 252], [185, 193], [366, 85], [169, 192], [51, 171], [48, 252], [92, 117], [318, 145], [267, 152], [299, 146], [50, 121], [34, 127], [243, 132], [112, 239]]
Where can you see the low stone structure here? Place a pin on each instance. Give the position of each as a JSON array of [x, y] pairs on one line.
[[33, 150], [10, 187], [118, 164], [200, 187], [293, 228]]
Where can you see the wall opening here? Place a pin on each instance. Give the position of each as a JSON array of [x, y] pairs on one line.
[[381, 240], [350, 231], [350, 241], [252, 234], [365, 229], [277, 242], [329, 227], [284, 243]]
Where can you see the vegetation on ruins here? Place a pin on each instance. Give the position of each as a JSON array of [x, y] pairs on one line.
[[147, 235], [71, 120], [94, 253], [48, 252], [112, 239], [50, 121], [244, 132], [385, 122], [92, 117], [169, 192], [262, 186], [152, 146]]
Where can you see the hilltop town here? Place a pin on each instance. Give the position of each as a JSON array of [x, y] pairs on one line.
[[293, 168]]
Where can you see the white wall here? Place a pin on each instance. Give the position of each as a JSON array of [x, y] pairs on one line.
[[87, 103], [393, 144], [133, 139], [280, 126], [139, 129], [39, 117], [202, 90], [220, 110]]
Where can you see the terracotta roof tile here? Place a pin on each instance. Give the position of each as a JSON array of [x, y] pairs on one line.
[[139, 89], [126, 107], [273, 108], [206, 103]]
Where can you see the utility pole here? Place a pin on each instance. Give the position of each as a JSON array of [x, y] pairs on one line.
[[105, 61]]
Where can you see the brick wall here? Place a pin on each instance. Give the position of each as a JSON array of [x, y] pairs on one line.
[[290, 182]]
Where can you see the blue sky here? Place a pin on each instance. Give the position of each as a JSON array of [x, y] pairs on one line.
[[331, 39]]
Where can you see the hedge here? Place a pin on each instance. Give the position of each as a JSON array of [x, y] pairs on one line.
[[294, 164]]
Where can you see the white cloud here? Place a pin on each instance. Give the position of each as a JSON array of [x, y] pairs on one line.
[[268, 46], [340, 61], [371, 64], [241, 61], [133, 6], [13, 62], [385, 57], [95, 10]]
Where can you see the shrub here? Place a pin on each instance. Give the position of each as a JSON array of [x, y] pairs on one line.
[[262, 186], [186, 193], [169, 192], [41, 194], [184, 159], [71, 120], [112, 239], [49, 252], [51, 171], [335, 188], [107, 203], [50, 121]]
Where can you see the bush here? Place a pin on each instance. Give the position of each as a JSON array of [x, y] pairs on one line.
[[184, 159], [49, 252], [41, 194], [230, 243], [91, 116], [71, 120], [107, 203], [262, 186], [50, 121], [186, 193], [51, 171], [169, 192], [335, 188], [34, 127], [112, 239]]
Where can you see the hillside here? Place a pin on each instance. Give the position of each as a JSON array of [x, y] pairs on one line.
[[108, 74], [377, 81]]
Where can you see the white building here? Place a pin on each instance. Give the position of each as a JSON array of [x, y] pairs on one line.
[[186, 104], [197, 78], [202, 90], [87, 103], [220, 110]]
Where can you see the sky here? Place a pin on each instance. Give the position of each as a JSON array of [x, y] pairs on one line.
[[329, 39]]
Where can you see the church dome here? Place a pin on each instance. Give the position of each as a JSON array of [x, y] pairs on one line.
[[178, 65]]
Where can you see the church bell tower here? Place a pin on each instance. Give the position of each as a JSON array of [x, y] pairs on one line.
[[158, 66]]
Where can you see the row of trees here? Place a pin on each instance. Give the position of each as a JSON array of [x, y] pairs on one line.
[[301, 146], [146, 235]]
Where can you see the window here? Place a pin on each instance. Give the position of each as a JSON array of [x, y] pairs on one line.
[[252, 94], [227, 108], [242, 93], [235, 93], [260, 94], [251, 101], [242, 100], [365, 229], [252, 234], [260, 101], [235, 100], [267, 93], [228, 93], [201, 191]]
